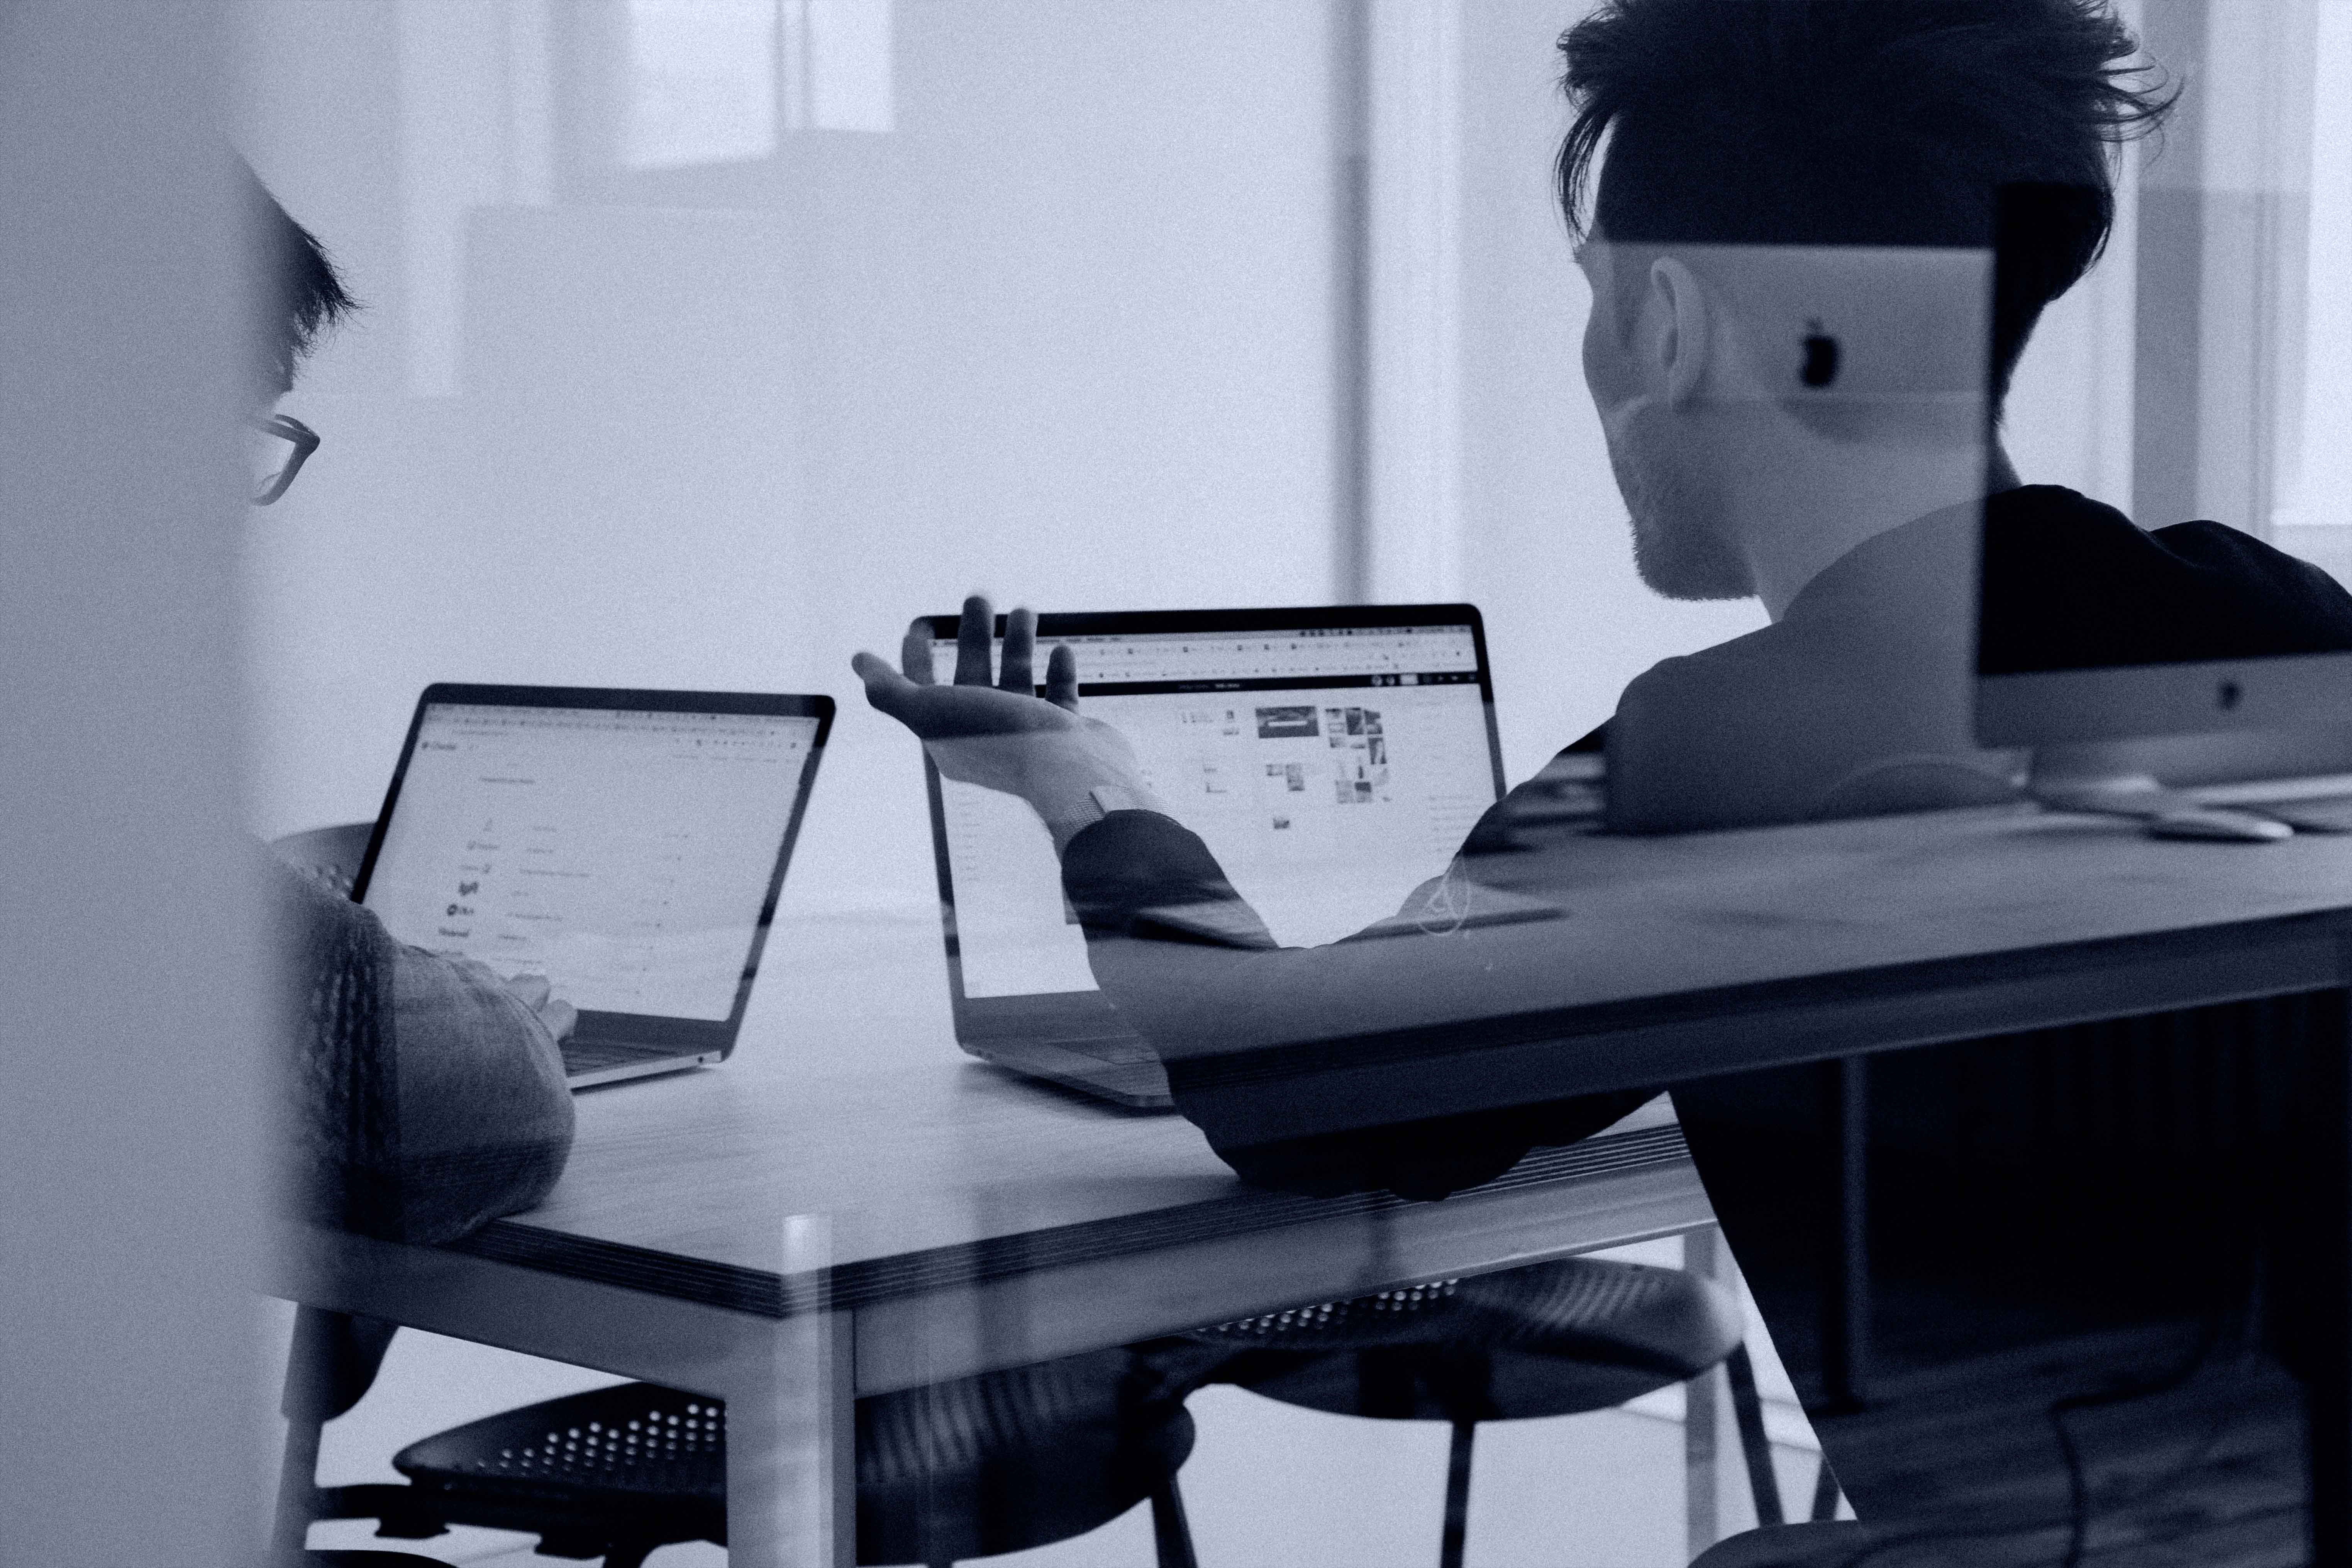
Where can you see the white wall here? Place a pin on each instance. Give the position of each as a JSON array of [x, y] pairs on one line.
[[1064, 335]]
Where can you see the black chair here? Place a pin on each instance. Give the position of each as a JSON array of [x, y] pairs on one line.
[[1556, 1339], [1818, 1544], [977, 1466], [329, 856]]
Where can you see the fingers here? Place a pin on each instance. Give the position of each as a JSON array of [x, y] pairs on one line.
[[885, 689], [1062, 678], [915, 651], [531, 988], [975, 638], [561, 1019], [1020, 653]]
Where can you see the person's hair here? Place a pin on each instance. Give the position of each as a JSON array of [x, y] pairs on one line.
[[301, 294], [1863, 122]]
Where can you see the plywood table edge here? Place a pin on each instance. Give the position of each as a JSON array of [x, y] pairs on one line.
[[680, 1344], [1658, 1042]]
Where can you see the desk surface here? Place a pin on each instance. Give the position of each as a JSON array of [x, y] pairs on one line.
[[847, 1101], [967, 1220]]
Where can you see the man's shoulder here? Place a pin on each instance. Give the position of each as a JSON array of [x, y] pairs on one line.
[[1730, 671], [2071, 583]]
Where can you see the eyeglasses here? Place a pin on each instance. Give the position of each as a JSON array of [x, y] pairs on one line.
[[281, 445]]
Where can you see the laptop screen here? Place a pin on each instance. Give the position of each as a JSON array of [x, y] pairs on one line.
[[628, 856], [1330, 769]]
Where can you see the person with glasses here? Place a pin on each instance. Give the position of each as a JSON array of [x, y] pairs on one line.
[[423, 1095], [281, 445]]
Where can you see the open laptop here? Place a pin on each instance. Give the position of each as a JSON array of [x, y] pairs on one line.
[[1333, 759], [628, 846]]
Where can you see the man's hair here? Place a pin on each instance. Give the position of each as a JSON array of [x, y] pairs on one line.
[[1862, 122], [301, 293]]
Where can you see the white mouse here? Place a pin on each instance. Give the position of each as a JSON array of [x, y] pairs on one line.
[[2216, 826]]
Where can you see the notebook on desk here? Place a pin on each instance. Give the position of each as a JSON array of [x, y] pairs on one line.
[[628, 846], [1333, 759]]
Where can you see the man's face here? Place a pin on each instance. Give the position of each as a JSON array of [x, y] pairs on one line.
[[1659, 455]]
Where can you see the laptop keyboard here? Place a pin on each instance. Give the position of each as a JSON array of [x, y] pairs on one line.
[[595, 1056]]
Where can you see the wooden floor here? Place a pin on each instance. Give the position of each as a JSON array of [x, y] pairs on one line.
[[2207, 1470]]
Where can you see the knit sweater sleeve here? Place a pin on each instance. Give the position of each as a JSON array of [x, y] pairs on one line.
[[420, 1098]]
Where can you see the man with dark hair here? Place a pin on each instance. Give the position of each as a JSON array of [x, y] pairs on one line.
[[424, 1096], [300, 296], [1731, 127], [1877, 123], [1729, 134], [1857, 122]]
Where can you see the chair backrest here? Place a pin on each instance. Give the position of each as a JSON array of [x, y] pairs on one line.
[[329, 856]]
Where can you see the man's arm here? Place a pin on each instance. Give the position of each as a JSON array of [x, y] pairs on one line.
[[1195, 970], [422, 1097], [1183, 955]]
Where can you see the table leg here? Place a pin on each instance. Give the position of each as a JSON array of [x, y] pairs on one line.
[[792, 1468], [792, 1428], [2326, 1330], [1845, 1296], [1701, 1420]]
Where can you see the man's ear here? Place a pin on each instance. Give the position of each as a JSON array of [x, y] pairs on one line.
[[1684, 343]]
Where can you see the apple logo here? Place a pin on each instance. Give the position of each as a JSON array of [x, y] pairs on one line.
[[1820, 366]]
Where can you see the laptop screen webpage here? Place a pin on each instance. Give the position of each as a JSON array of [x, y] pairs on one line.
[[624, 854], [1330, 770]]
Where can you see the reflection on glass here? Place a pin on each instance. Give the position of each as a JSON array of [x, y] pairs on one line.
[[1818, 440], [841, 48], [714, 81], [701, 82]]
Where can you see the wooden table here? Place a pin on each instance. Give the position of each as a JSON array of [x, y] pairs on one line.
[[849, 1207]]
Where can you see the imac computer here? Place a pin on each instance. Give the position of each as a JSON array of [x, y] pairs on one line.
[[2205, 685]]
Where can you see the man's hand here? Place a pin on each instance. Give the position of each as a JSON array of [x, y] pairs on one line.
[[534, 991], [994, 730]]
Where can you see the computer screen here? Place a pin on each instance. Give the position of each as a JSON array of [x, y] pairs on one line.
[[1330, 770], [624, 854]]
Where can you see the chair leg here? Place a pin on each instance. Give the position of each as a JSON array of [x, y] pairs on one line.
[[297, 1485], [1753, 1444], [331, 1363], [1171, 1535], [1825, 1492], [1457, 1495]]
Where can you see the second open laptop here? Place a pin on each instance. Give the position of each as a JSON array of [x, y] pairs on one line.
[[629, 845], [1333, 759]]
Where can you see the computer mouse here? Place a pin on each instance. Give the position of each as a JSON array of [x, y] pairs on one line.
[[2215, 826]]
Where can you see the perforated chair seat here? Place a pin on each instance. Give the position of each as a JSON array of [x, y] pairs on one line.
[[1556, 1338], [636, 1465], [1003, 1462], [1014, 1460]]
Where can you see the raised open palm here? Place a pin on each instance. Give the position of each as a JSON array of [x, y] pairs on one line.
[[990, 727]]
